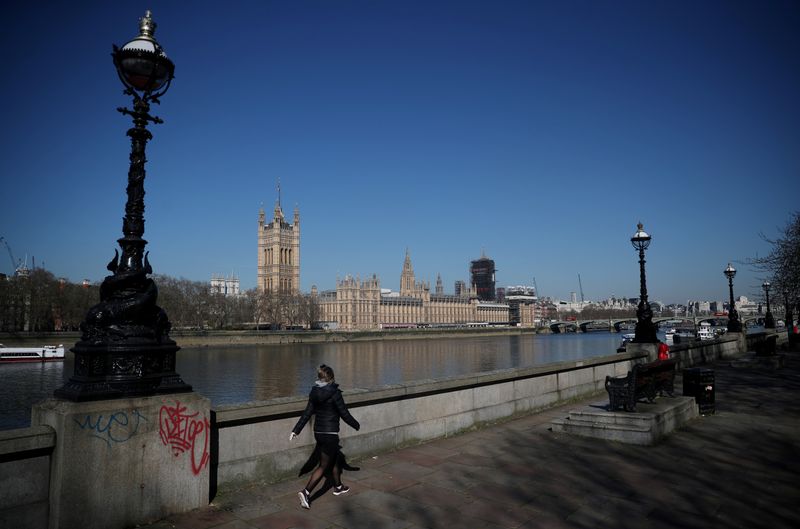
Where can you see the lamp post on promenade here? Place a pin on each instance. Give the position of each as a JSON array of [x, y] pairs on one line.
[[769, 321], [645, 328], [125, 349], [734, 325]]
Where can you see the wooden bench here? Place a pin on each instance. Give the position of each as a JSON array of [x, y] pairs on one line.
[[645, 381]]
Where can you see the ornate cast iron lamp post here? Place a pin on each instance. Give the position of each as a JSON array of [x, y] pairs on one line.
[[125, 349], [645, 328], [734, 325], [769, 321]]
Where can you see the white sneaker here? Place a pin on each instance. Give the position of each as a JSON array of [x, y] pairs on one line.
[[341, 489], [303, 495]]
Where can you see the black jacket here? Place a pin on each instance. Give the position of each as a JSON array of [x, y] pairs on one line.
[[328, 405]]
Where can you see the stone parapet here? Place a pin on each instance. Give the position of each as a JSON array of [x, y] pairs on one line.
[[253, 439], [122, 462], [25, 476]]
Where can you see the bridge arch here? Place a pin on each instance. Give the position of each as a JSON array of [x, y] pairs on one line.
[[558, 327]]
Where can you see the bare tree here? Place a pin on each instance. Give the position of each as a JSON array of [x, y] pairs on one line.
[[39, 302], [310, 310], [782, 267], [271, 308]]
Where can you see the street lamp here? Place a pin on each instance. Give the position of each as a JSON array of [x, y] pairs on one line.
[[734, 325], [769, 321], [645, 328], [125, 349]]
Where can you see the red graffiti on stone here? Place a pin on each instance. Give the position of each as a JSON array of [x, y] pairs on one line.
[[183, 432]]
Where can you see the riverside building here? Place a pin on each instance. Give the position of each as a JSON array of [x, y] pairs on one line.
[[363, 305], [225, 285], [521, 302]]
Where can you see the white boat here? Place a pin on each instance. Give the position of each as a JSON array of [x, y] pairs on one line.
[[681, 335], [705, 332], [626, 339], [45, 353]]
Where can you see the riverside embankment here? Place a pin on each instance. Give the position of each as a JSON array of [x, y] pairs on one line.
[[263, 371], [235, 446], [210, 338]]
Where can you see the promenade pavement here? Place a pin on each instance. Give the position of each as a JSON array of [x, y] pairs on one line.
[[738, 468]]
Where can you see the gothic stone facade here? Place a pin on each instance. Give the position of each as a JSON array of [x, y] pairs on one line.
[[227, 286], [279, 252], [360, 305]]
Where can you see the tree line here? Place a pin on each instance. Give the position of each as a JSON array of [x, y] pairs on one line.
[[40, 302], [781, 267]]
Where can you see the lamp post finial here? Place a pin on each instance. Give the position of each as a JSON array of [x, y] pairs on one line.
[[147, 26]]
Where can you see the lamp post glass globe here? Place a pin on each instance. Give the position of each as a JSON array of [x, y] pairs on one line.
[[142, 64], [640, 239], [730, 272]]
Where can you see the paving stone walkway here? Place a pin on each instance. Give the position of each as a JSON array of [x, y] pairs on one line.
[[739, 468]]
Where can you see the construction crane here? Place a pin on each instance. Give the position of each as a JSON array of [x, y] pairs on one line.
[[580, 287], [14, 264]]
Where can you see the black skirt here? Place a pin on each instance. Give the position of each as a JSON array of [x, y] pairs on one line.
[[328, 444]]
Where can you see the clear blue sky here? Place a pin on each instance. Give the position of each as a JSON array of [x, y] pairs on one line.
[[541, 132]]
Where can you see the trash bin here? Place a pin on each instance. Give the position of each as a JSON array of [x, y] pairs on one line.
[[698, 382], [768, 346]]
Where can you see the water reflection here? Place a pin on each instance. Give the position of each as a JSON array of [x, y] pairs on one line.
[[235, 375], [26, 383]]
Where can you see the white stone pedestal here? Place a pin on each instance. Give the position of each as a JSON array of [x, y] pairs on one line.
[[122, 462]]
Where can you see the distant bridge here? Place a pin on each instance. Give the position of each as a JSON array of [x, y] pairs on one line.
[[615, 324]]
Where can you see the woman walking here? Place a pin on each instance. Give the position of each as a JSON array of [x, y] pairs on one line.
[[326, 402]]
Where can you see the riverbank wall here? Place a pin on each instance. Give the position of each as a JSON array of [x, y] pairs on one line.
[[233, 338], [249, 443], [399, 415], [245, 443]]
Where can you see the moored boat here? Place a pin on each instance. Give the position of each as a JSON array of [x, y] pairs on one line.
[[45, 353], [626, 339], [682, 334], [705, 332]]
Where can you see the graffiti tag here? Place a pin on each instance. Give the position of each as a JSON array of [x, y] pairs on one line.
[[185, 432], [116, 428]]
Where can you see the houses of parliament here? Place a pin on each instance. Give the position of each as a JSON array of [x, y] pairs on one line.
[[358, 304]]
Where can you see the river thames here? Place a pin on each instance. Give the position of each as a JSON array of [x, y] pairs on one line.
[[239, 374]]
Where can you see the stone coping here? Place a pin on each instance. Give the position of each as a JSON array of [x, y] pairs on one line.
[[283, 407], [702, 343], [22, 443]]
